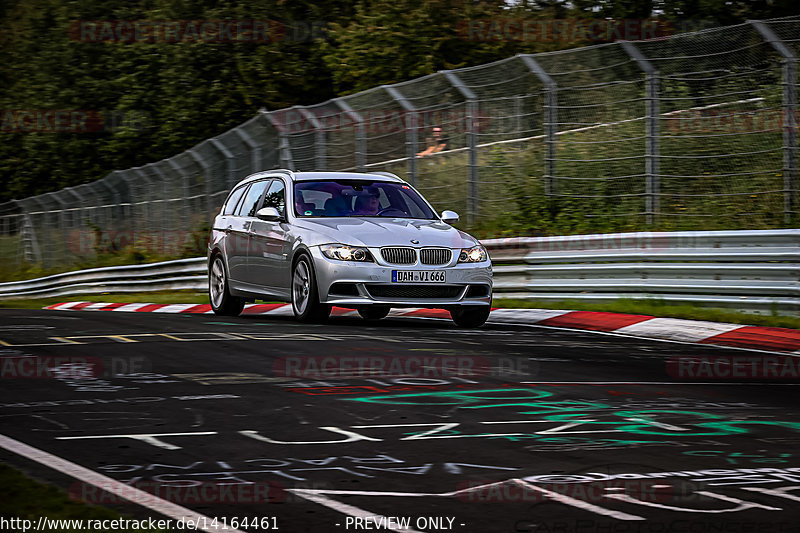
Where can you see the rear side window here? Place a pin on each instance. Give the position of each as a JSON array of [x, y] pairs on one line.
[[250, 204], [230, 205]]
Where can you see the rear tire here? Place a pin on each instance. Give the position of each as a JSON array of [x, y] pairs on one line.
[[305, 297], [374, 312], [470, 316], [222, 301]]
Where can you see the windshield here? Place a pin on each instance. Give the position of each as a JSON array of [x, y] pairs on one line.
[[359, 199]]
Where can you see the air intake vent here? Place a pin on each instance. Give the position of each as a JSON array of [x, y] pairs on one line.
[[414, 291], [435, 256], [399, 256]]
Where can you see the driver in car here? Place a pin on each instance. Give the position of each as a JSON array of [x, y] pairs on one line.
[[367, 204]]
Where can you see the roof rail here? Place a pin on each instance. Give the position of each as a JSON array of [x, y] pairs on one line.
[[284, 170], [384, 173]]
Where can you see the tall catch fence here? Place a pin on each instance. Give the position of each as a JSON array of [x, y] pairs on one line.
[[694, 131]]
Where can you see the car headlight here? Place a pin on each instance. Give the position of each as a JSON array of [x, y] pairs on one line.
[[343, 252], [476, 254]]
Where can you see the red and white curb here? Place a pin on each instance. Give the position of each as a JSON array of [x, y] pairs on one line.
[[642, 326]]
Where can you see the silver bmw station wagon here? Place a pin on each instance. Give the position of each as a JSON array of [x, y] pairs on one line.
[[368, 242]]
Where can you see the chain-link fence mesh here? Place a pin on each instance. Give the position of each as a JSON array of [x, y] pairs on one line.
[[695, 131]]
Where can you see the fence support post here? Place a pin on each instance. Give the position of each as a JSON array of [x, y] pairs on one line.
[[148, 211], [229, 160], [187, 203], [652, 149], [789, 121], [206, 177], [549, 120], [319, 137], [164, 208], [472, 141], [284, 146], [255, 150], [412, 131], [29, 245], [361, 134]]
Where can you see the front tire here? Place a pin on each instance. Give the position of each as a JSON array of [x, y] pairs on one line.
[[470, 316], [222, 301], [305, 297], [374, 312]]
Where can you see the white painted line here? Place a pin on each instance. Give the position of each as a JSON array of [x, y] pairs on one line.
[[109, 485], [129, 307], [738, 383], [580, 504], [677, 329], [173, 308], [348, 509], [506, 316]]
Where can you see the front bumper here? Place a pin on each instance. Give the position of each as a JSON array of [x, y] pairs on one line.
[[371, 283]]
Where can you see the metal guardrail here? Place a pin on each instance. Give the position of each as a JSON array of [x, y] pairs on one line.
[[181, 274], [753, 271]]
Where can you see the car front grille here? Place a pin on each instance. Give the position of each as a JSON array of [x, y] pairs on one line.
[[435, 256], [399, 255], [414, 291]]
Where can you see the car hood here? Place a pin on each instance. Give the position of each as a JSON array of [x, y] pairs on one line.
[[377, 232]]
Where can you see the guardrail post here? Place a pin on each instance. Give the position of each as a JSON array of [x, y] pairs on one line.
[[319, 137], [472, 141], [789, 121], [255, 149], [652, 149], [549, 120], [361, 134], [284, 146], [412, 131]]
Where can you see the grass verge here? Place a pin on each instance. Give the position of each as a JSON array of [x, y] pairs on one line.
[[635, 307], [22, 497]]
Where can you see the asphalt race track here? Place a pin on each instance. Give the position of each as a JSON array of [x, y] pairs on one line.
[[328, 428]]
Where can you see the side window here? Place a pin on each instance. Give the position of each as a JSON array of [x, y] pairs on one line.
[[250, 204], [275, 197], [230, 205]]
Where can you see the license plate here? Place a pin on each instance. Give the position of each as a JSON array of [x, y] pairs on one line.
[[418, 276]]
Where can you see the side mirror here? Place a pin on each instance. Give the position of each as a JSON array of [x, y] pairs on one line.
[[449, 216], [269, 214]]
